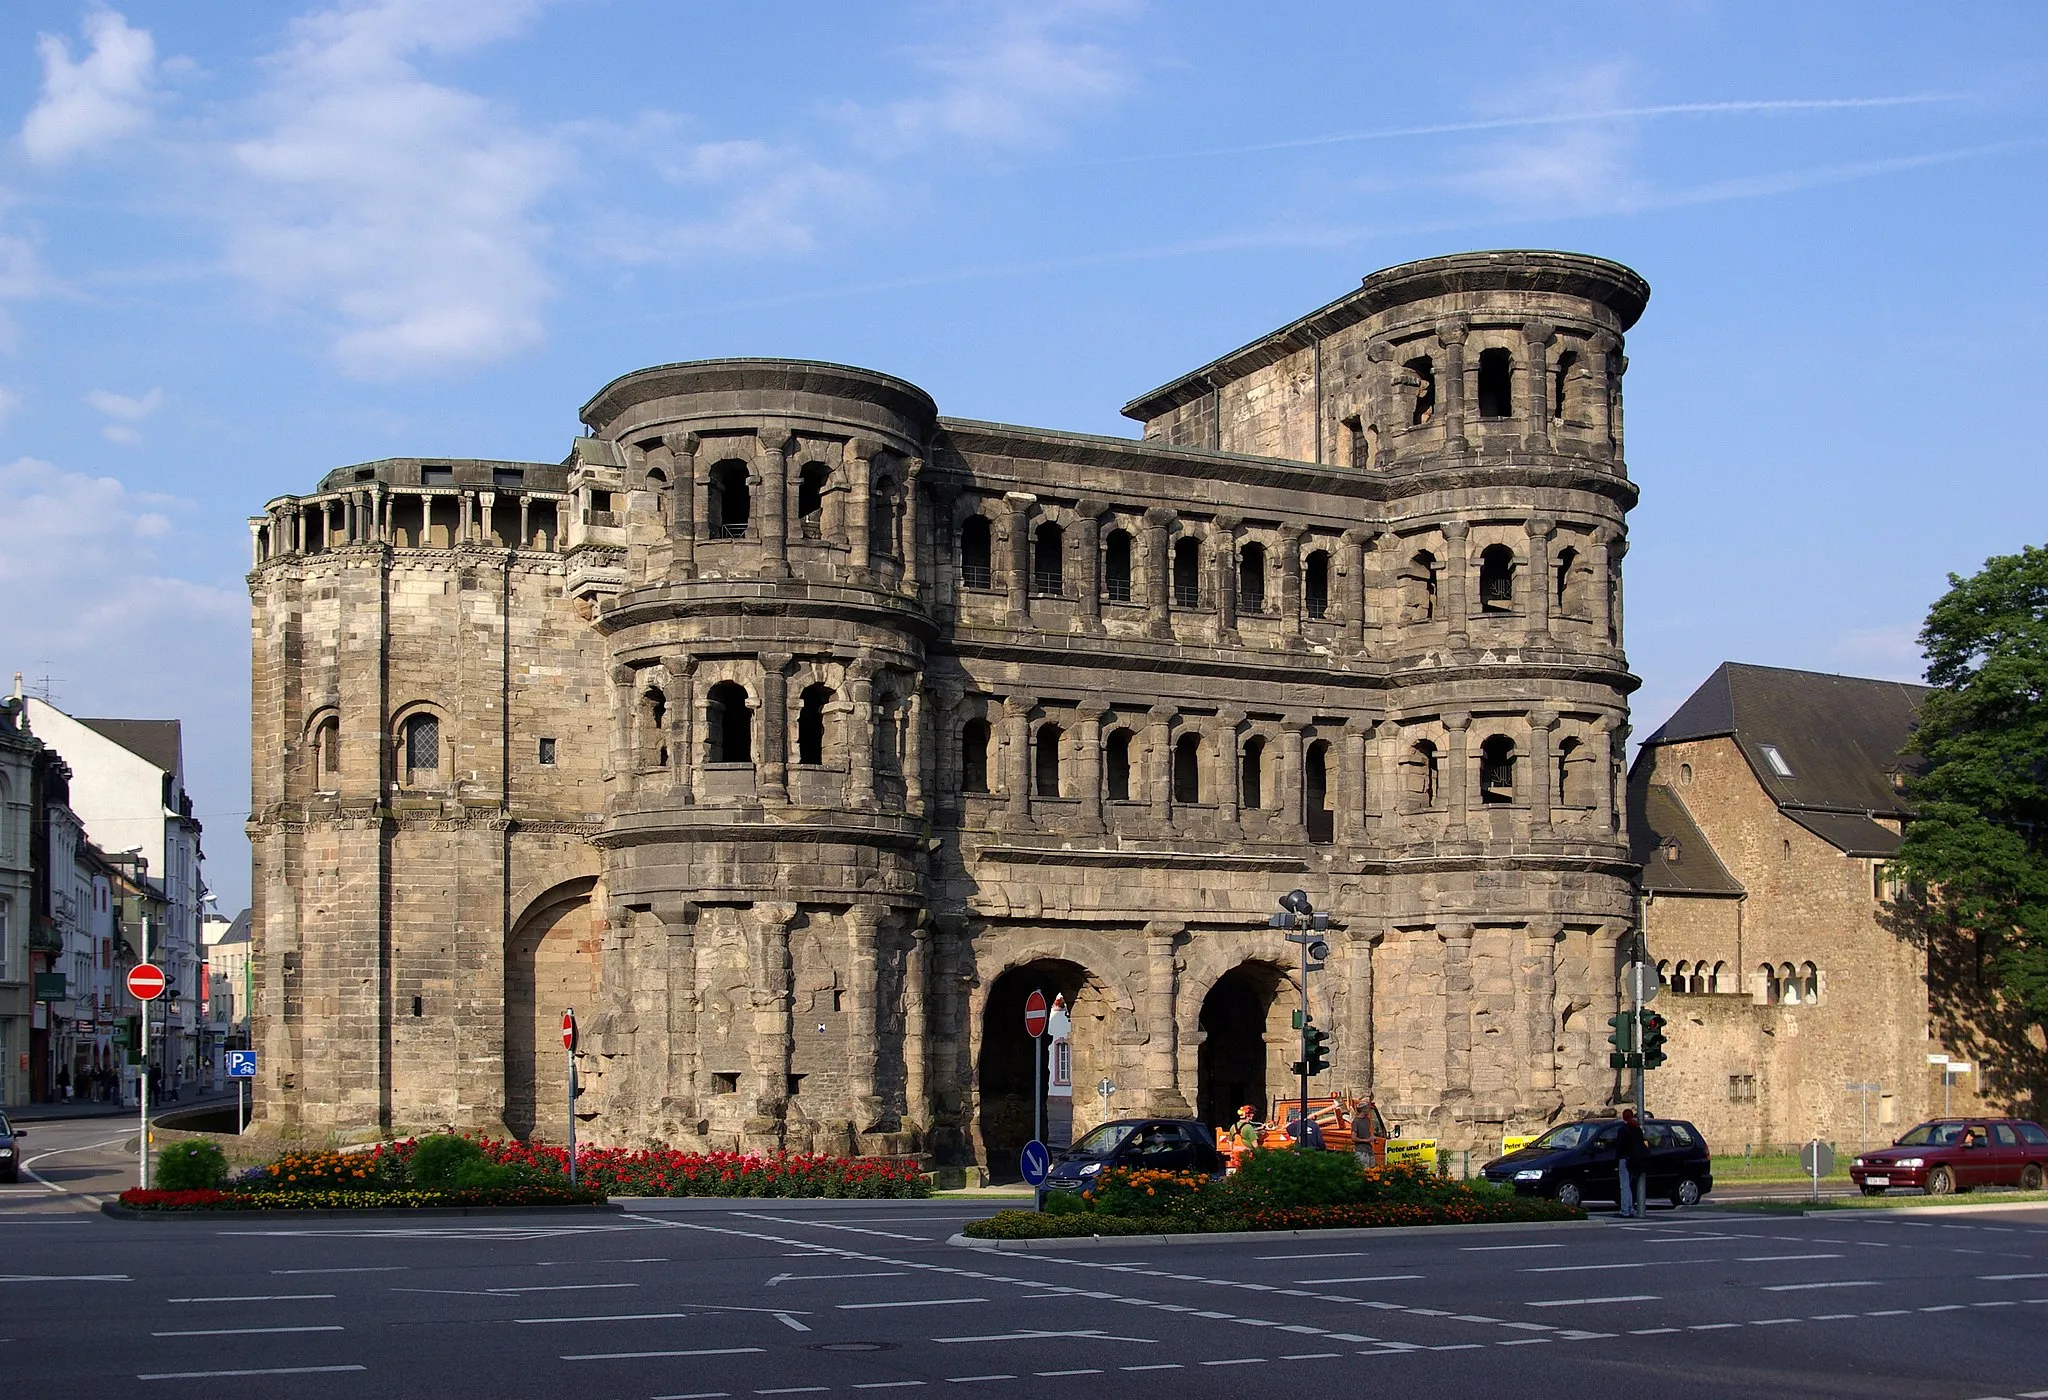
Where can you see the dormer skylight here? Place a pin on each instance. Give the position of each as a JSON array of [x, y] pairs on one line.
[[1776, 760]]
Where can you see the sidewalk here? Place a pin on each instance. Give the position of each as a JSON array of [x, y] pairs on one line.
[[61, 1112]]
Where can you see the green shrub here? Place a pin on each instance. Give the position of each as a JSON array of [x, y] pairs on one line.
[[1065, 1203], [438, 1161], [192, 1165], [1141, 1192], [1281, 1178]]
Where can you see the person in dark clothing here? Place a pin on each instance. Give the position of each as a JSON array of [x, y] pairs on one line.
[[1632, 1165]]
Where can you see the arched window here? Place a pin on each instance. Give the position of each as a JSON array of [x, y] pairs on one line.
[[728, 728], [1117, 765], [1663, 973], [1567, 794], [1252, 775], [1251, 579], [1315, 585], [1322, 822], [654, 721], [1681, 978], [1497, 769], [1496, 579], [1418, 587], [974, 756], [1788, 985], [1116, 571], [1187, 573], [1565, 595], [1420, 382], [975, 553], [1496, 384], [731, 506], [1561, 385], [1720, 982], [1358, 442], [1187, 768], [810, 724], [1809, 983], [885, 516], [811, 482], [1048, 561], [1767, 982], [1423, 785], [326, 754], [420, 740], [1046, 760]]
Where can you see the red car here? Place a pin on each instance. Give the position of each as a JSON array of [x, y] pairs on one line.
[[1956, 1154]]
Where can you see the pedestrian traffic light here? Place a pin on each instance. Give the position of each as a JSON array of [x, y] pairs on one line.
[[1315, 1049], [1622, 1038], [1653, 1040]]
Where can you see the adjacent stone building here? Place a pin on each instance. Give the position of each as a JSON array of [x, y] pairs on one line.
[[792, 733]]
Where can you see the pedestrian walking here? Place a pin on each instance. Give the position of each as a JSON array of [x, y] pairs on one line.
[[1632, 1165]]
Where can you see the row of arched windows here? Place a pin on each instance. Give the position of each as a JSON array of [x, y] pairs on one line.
[[1495, 386], [1777, 984], [729, 504], [1502, 773]]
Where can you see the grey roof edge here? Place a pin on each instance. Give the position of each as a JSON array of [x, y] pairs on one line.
[[1659, 817]]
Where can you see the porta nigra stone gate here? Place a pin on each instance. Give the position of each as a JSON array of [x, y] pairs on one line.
[[792, 733]]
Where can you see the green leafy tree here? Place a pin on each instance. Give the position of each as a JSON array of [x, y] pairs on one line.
[[1979, 845]]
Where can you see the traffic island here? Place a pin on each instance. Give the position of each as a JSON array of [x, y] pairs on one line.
[[163, 1205]]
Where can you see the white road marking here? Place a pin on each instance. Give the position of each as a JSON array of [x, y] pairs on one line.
[[883, 1385], [585, 1263], [254, 1298], [821, 1225], [1347, 1254], [805, 1278], [265, 1371], [1496, 1248], [1587, 1302], [29, 1165], [1523, 1342], [794, 1390], [1777, 1258], [65, 1278], [1083, 1371], [699, 1395], [964, 1380], [1365, 1278], [1775, 1321], [376, 1269], [1831, 1317], [1803, 1287], [245, 1331], [1712, 1326], [1643, 1264], [559, 1287], [910, 1303], [638, 1355], [1312, 1356], [1091, 1335], [1240, 1361], [1653, 1331], [791, 1323], [606, 1317], [2008, 1278]]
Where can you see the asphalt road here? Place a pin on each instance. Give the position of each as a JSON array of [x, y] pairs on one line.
[[846, 1300]]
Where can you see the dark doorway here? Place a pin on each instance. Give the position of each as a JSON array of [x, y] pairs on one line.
[[1231, 1065], [1007, 1058]]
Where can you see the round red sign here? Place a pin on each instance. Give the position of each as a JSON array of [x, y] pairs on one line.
[[145, 981], [1034, 1014], [568, 1030]]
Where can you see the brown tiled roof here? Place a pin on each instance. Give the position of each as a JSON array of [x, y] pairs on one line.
[[1659, 827]]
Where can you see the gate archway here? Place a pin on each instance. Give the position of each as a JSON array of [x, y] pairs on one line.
[[1245, 1038], [1003, 1072], [551, 962]]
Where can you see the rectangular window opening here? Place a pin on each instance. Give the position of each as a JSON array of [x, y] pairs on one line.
[[1775, 759], [796, 1085], [418, 1007], [725, 1083], [547, 752]]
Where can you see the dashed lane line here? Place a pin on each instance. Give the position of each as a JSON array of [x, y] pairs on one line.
[[910, 1303], [640, 1355], [1364, 1278], [1589, 1302], [1833, 1283], [258, 1371], [256, 1298], [246, 1331]]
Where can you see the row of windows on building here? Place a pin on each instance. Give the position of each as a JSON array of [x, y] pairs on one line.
[[1780, 984], [416, 750]]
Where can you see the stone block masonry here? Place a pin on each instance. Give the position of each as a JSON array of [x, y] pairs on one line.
[[793, 733]]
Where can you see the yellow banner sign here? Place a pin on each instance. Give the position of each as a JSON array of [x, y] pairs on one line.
[[1515, 1142], [1420, 1152]]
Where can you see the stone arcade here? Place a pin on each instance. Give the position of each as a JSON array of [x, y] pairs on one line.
[[792, 733]]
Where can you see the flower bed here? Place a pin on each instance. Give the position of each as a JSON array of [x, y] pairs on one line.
[[1273, 1190], [357, 1199]]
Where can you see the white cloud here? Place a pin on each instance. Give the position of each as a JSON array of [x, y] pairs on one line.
[[95, 101], [127, 411], [1013, 83], [402, 209], [9, 403], [1560, 167]]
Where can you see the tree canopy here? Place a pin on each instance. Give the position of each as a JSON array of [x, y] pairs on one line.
[[1979, 843]]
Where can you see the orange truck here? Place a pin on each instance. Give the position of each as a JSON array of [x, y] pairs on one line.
[[1346, 1125]]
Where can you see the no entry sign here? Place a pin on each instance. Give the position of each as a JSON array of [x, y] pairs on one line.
[[568, 1030], [145, 981], [1034, 1015]]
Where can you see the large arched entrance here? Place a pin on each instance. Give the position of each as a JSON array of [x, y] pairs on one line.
[[1004, 1070], [551, 963], [1241, 1042]]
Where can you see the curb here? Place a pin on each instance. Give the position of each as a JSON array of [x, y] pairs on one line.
[[1240, 1236], [1986, 1209], [120, 1212]]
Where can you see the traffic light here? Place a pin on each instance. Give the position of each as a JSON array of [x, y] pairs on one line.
[[1315, 1048], [1623, 1039], [1653, 1040]]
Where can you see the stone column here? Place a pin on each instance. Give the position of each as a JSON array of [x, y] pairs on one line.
[[1603, 987], [1616, 622], [1457, 777], [1541, 725], [1293, 796], [380, 515], [1617, 366], [917, 964], [860, 470], [1290, 585], [1088, 770], [619, 759], [486, 501], [1356, 556], [914, 749], [465, 532], [1088, 554], [1602, 581], [1613, 740], [1539, 1006], [1354, 819], [860, 735], [1356, 1043], [1536, 338], [769, 997], [1538, 588], [947, 803], [771, 766], [1223, 543], [1450, 381], [864, 934], [1457, 946], [1017, 723], [1162, 1067], [1599, 396], [682, 716], [913, 523], [1161, 741], [945, 541], [679, 1097], [682, 516], [1158, 571], [1456, 583], [775, 502], [1229, 770], [1019, 581]]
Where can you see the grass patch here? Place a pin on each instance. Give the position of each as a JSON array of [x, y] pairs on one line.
[[1888, 1202], [1775, 1169]]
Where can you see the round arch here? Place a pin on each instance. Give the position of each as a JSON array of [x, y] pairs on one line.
[[551, 962]]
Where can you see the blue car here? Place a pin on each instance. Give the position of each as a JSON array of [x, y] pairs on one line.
[[1159, 1144]]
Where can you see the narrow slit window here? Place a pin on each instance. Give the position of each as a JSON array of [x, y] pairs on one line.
[[1046, 760], [1251, 579], [974, 736], [1117, 762], [1048, 561], [1187, 768], [1117, 566], [1315, 585], [1252, 775], [1187, 574], [976, 570]]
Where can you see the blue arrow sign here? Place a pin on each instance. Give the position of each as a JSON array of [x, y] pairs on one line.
[[241, 1064], [1037, 1161]]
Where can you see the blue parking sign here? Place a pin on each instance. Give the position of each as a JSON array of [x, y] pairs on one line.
[[241, 1064]]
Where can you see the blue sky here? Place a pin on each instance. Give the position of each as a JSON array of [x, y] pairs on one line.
[[241, 245]]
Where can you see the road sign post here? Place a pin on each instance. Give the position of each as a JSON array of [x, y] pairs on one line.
[[241, 1066], [569, 1044], [1035, 1015], [1817, 1159], [145, 984]]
